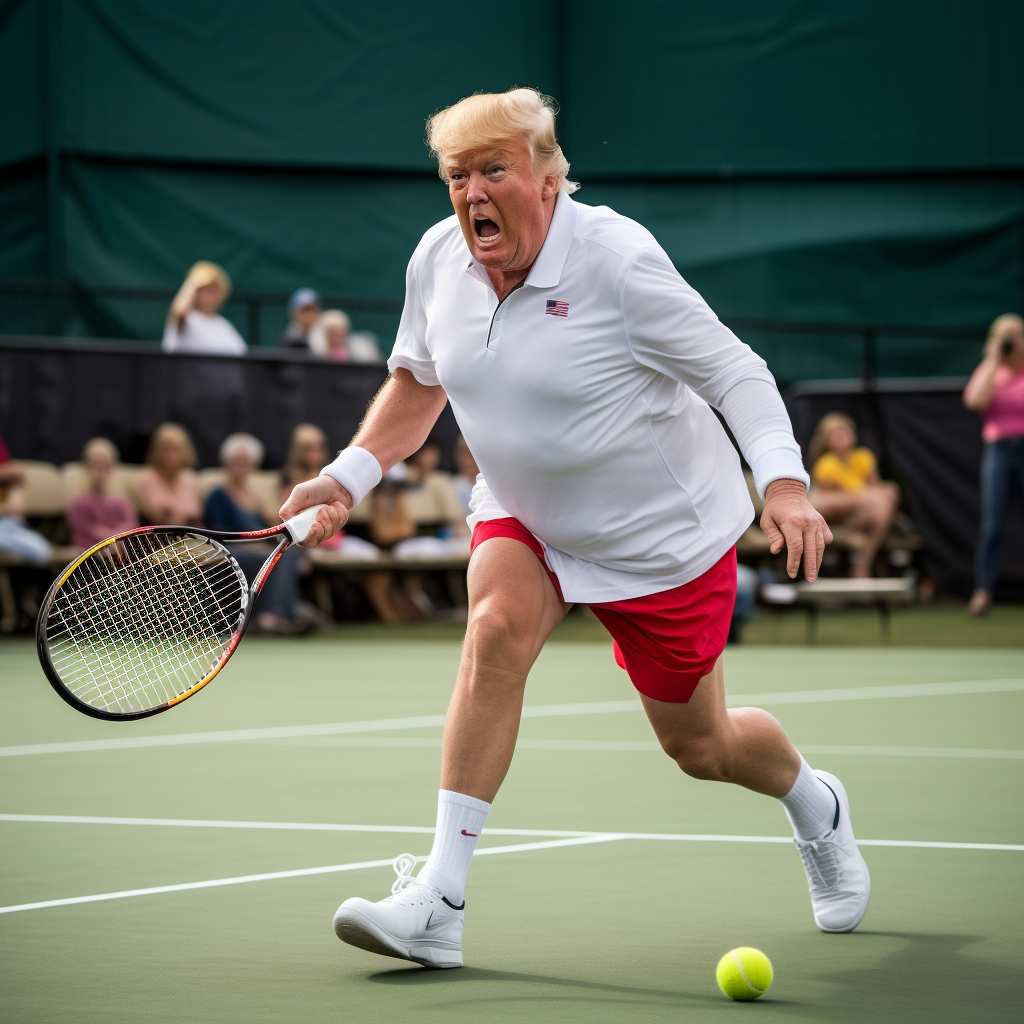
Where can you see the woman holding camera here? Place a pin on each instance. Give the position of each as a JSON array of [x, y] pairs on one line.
[[996, 390]]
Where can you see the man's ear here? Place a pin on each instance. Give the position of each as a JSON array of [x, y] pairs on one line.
[[551, 186]]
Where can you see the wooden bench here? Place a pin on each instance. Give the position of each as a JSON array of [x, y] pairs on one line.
[[882, 593], [325, 562], [899, 546]]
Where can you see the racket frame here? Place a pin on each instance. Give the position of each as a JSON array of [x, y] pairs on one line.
[[288, 533]]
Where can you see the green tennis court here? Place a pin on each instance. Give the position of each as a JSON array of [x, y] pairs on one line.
[[602, 892]]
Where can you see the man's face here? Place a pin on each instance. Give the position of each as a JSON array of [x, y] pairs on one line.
[[504, 211], [305, 317]]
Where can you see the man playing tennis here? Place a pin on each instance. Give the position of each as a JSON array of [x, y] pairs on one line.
[[582, 370]]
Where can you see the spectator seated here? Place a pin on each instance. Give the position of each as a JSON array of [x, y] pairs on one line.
[[899, 545], [95, 513]]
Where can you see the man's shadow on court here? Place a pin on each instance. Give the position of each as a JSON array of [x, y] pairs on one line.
[[929, 978]]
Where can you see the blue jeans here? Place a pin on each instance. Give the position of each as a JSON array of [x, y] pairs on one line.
[[17, 539], [280, 594], [1002, 476]]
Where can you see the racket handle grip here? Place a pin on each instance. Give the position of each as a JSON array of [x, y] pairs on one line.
[[298, 526]]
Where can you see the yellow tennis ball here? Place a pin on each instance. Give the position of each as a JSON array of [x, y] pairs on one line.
[[744, 973]]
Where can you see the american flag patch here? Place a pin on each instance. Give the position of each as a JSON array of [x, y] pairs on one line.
[[556, 308]]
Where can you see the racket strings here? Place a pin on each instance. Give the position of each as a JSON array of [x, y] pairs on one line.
[[142, 621], [114, 643]]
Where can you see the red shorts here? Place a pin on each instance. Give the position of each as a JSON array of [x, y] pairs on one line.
[[667, 642]]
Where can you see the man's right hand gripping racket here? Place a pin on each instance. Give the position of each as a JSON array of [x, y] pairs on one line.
[[143, 620]]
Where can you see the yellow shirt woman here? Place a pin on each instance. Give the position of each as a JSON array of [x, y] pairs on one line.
[[853, 473]]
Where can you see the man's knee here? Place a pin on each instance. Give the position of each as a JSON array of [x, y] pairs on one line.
[[497, 628], [699, 756]]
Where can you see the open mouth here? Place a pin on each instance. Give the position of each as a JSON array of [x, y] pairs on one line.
[[486, 230]]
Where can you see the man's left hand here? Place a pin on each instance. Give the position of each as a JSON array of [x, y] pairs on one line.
[[790, 519]]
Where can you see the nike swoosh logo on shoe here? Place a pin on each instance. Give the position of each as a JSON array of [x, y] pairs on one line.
[[835, 820]]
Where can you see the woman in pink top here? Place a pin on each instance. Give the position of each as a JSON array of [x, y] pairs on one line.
[[166, 488], [996, 390], [97, 514]]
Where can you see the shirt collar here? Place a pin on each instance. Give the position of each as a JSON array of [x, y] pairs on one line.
[[546, 271]]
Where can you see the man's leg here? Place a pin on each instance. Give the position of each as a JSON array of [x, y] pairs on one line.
[[748, 747], [513, 607]]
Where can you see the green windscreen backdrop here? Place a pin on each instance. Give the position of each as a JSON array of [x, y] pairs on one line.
[[805, 160]]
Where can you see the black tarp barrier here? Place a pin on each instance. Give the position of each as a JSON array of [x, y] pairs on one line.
[[55, 396], [652, 87], [794, 86], [915, 251], [802, 160], [931, 445]]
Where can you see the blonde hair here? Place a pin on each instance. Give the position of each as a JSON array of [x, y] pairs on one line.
[[334, 318], [207, 272], [492, 119], [819, 439], [1004, 323], [101, 444], [174, 432]]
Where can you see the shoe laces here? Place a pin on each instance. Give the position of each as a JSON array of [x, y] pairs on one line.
[[403, 865], [821, 864]]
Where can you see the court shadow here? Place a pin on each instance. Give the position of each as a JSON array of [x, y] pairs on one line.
[[931, 978], [580, 989]]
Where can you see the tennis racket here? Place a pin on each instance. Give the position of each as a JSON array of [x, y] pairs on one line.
[[142, 621]]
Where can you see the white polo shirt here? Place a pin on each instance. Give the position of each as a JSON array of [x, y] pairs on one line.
[[584, 397]]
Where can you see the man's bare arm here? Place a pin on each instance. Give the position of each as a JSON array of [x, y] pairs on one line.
[[396, 424]]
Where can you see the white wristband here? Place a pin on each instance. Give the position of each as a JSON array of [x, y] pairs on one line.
[[356, 470]]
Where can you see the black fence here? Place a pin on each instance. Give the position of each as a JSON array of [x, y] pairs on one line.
[[60, 309], [55, 394], [931, 446], [794, 350]]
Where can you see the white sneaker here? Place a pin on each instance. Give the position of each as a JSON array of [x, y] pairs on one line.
[[415, 922], [836, 873]]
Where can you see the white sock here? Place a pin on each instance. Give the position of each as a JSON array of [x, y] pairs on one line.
[[810, 805], [460, 819]]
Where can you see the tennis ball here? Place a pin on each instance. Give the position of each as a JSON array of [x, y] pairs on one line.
[[744, 973]]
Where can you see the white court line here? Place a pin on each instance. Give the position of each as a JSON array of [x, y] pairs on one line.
[[577, 840], [211, 883], [288, 731], [652, 746], [677, 837], [877, 692], [536, 711], [299, 873], [977, 752]]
